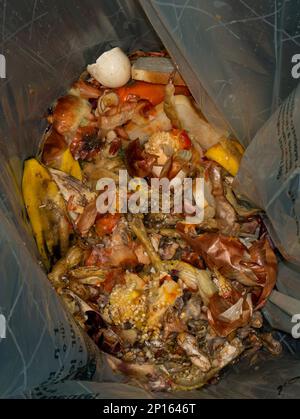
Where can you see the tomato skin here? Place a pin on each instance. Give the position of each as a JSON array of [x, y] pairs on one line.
[[154, 93], [186, 141], [106, 223]]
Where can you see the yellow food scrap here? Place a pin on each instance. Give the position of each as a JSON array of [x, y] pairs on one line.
[[167, 294], [46, 210], [224, 285], [69, 165], [127, 302], [141, 306], [228, 154]]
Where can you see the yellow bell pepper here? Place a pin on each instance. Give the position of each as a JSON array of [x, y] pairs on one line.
[[69, 165], [227, 153]]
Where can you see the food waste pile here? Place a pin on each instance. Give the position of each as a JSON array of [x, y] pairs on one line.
[[172, 302]]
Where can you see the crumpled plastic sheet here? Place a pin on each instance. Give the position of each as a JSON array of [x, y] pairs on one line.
[[229, 47]]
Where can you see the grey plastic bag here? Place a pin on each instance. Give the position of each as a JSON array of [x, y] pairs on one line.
[[234, 54], [46, 45], [269, 175]]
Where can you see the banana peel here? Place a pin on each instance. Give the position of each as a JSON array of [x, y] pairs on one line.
[[228, 153], [46, 211]]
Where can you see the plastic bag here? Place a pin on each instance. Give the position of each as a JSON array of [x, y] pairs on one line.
[[234, 54], [46, 45], [277, 192]]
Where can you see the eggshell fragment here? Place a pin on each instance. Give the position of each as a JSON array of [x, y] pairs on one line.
[[112, 69]]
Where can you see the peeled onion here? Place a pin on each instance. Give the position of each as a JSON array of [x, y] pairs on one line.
[[112, 69]]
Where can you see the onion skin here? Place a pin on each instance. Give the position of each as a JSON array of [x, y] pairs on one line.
[[256, 266]]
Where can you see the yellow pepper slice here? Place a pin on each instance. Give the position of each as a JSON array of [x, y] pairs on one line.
[[227, 153], [69, 165]]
